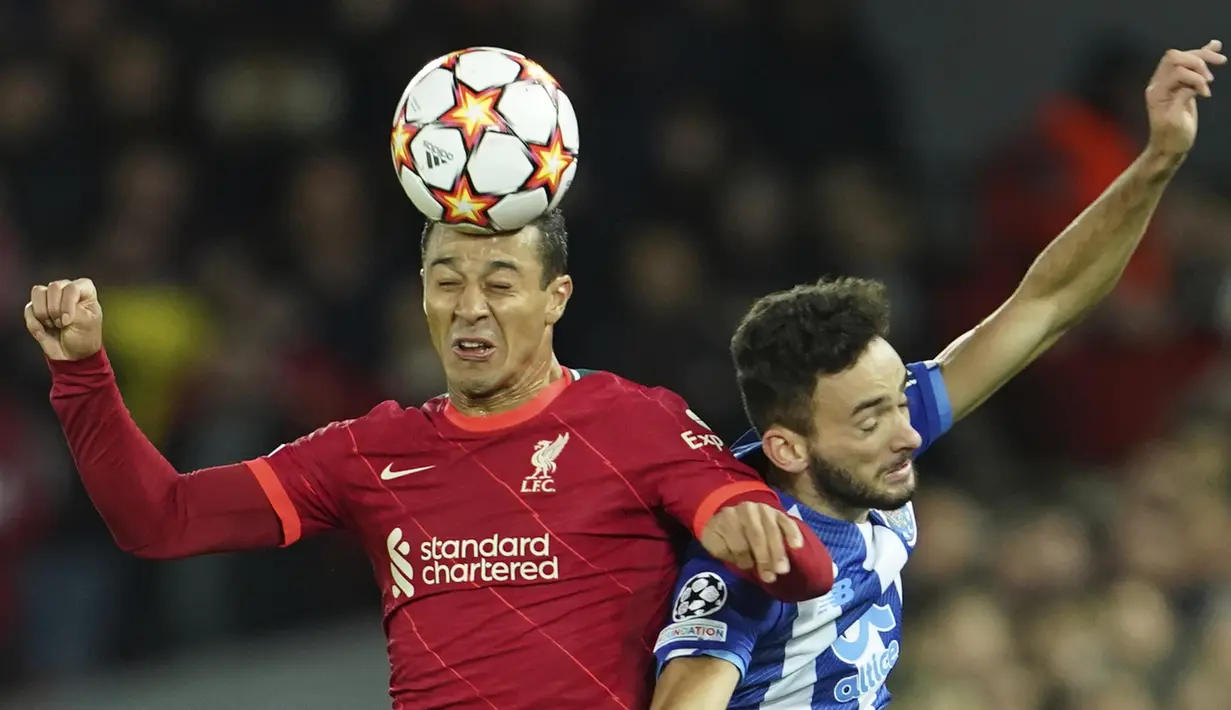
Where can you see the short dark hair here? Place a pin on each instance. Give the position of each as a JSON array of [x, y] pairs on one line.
[[553, 245], [789, 339]]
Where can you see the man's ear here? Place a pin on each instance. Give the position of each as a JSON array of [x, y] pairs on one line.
[[786, 450], [559, 291]]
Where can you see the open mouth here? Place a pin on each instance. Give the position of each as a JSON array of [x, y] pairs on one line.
[[476, 349], [899, 473]]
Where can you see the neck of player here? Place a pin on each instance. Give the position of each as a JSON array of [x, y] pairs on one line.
[[813, 498], [823, 505], [832, 510], [528, 384]]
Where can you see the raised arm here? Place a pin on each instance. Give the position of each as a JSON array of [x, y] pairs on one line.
[[1082, 265], [151, 509]]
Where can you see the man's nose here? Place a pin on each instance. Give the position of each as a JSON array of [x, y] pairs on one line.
[[472, 304]]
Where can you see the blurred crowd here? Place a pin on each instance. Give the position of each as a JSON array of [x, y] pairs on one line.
[[221, 169]]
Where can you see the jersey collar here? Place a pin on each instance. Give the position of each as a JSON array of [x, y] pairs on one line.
[[513, 417]]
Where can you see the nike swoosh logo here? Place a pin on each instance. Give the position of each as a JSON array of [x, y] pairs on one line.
[[389, 474]]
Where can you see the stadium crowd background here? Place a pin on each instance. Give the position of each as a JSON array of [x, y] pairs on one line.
[[220, 169]]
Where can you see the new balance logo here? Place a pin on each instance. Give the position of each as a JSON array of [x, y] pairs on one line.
[[435, 156], [544, 462], [389, 474]]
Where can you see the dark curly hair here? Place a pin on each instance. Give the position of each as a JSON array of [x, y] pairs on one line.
[[553, 245], [789, 339]]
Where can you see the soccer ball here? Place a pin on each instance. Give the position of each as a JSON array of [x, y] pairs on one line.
[[484, 140]]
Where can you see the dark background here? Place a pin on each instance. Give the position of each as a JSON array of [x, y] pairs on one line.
[[221, 170]]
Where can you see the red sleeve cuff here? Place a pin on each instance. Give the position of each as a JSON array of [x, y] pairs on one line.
[[292, 526], [812, 572], [87, 372], [728, 495], [758, 494]]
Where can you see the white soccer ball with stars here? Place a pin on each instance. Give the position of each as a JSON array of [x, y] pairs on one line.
[[703, 594], [484, 140]]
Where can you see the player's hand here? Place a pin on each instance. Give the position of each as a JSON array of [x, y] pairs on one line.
[[66, 319], [1171, 97], [753, 536]]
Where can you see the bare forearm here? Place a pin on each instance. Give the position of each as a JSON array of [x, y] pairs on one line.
[[695, 683], [1083, 263]]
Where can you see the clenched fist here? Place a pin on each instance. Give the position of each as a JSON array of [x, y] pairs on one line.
[[753, 535], [1171, 100], [66, 319]]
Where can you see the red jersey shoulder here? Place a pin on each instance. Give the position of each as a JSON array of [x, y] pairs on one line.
[[338, 439], [613, 389], [647, 412], [391, 429]]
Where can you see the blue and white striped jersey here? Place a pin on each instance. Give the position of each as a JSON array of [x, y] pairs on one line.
[[831, 653]]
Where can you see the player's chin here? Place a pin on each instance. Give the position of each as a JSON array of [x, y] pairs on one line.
[[899, 486], [474, 379], [892, 499]]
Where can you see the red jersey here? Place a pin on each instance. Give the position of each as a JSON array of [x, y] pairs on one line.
[[525, 559]]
